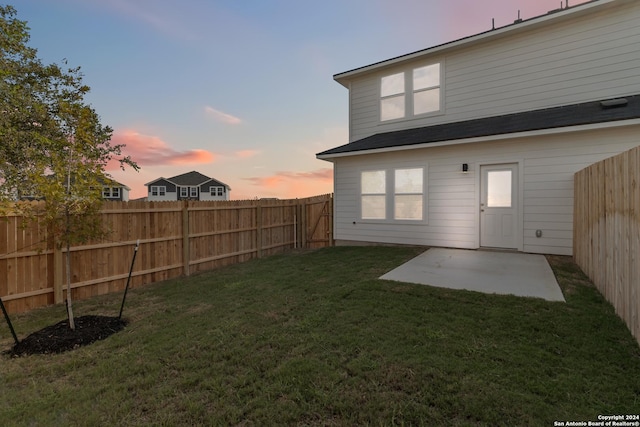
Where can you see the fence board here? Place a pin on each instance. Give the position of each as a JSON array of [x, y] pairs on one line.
[[607, 231], [176, 238]]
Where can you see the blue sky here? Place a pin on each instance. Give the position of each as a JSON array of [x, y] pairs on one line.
[[240, 90]]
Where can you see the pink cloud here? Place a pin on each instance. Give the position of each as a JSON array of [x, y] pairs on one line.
[[222, 116], [324, 175], [245, 154], [148, 150], [293, 184]]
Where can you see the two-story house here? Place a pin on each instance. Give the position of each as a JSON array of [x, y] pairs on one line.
[[188, 186], [474, 143]]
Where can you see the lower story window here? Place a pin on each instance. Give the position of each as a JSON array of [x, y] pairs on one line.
[[401, 190], [110, 192], [158, 190], [408, 194], [373, 194]]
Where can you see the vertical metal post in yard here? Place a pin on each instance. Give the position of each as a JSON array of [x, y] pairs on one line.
[[6, 316], [185, 238], [259, 230], [126, 288]]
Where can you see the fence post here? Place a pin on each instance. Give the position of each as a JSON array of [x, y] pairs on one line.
[[185, 237], [331, 225], [304, 244], [299, 244], [259, 229], [58, 276]]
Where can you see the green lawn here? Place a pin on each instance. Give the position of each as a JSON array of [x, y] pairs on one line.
[[313, 338]]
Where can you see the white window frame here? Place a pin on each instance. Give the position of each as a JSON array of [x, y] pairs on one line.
[[390, 195], [110, 192], [158, 190], [409, 93], [184, 191], [216, 191], [193, 191], [374, 194], [398, 194]]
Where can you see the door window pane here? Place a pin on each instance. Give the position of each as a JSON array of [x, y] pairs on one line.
[[499, 189]]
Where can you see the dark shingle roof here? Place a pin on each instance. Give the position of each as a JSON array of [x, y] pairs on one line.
[[549, 118], [189, 178]]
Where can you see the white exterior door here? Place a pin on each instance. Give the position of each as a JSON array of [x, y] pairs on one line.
[[499, 206]]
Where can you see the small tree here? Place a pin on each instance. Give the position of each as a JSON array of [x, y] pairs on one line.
[[52, 145]]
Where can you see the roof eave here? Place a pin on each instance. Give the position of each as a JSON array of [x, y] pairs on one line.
[[518, 26], [513, 135]]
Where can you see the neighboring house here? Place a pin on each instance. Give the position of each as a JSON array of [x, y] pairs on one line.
[[474, 143], [111, 190], [115, 191], [188, 186]]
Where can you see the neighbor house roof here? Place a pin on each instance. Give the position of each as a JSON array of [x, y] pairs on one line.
[[192, 179], [114, 183], [588, 113], [519, 25], [105, 180]]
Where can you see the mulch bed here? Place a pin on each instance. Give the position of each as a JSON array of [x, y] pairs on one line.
[[59, 338]]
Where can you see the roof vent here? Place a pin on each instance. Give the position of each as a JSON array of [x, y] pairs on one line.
[[519, 20], [614, 103]]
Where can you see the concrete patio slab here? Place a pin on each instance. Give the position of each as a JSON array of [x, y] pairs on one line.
[[490, 272]]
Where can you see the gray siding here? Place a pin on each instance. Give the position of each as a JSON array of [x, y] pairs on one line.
[[546, 163], [584, 58]]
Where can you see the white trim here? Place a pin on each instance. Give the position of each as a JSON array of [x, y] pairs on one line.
[[390, 194], [543, 132], [160, 189]]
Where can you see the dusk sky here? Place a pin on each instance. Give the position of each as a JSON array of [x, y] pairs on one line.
[[241, 90]]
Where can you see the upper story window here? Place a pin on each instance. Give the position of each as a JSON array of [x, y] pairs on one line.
[[392, 98], [410, 93]]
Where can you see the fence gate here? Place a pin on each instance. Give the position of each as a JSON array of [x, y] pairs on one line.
[[320, 223]]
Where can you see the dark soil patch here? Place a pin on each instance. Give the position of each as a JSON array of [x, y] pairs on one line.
[[60, 337]]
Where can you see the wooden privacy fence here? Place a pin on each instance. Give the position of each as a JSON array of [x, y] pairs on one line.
[[176, 238], [607, 231]]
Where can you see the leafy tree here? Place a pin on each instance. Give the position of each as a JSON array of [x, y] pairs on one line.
[[52, 144]]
